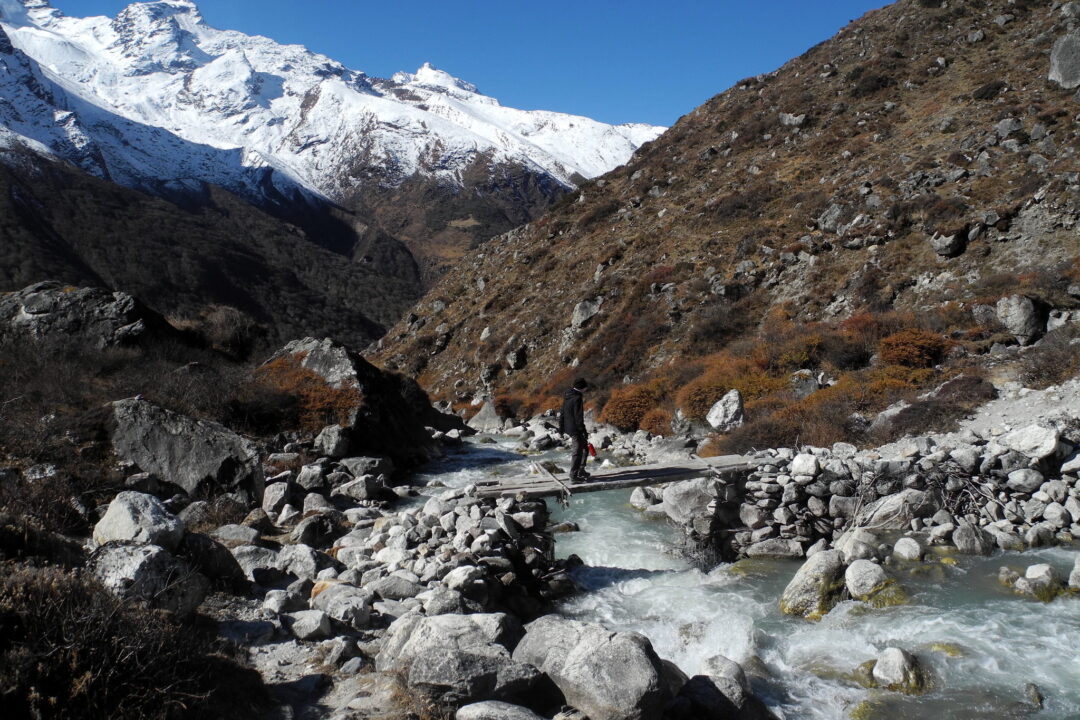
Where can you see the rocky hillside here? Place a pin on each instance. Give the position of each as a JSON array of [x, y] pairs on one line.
[[915, 167], [158, 100]]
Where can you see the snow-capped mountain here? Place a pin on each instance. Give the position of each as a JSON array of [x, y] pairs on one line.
[[156, 96]]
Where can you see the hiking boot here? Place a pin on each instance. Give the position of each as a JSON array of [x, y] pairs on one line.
[[582, 477]]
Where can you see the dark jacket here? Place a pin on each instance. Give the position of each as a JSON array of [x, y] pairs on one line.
[[572, 421]]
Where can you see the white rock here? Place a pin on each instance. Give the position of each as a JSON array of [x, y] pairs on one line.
[[804, 464], [908, 549], [727, 413], [141, 518], [1034, 441]]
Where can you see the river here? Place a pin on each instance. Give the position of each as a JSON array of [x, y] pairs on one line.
[[981, 644]]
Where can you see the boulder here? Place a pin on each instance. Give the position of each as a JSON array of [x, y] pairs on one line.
[[495, 710], [258, 564], [729, 677], [139, 518], [149, 573], [394, 587], [727, 413], [333, 441], [213, 560], [98, 317], [342, 602], [1074, 576], [971, 539], [686, 501], [1040, 581], [908, 549], [201, 457], [1021, 317], [606, 675], [392, 412], [895, 512], [1065, 61], [308, 624], [486, 420], [776, 548], [804, 464], [949, 245], [368, 465], [898, 670], [585, 311], [803, 383], [816, 586], [1025, 480], [1034, 441], [413, 635], [455, 675], [864, 578]]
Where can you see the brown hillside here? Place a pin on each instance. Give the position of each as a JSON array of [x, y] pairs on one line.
[[807, 195]]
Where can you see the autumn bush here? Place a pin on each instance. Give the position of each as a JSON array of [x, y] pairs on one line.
[[320, 403], [913, 347], [720, 374], [628, 406], [657, 421]]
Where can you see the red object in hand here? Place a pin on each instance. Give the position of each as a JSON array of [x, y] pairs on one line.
[[592, 450]]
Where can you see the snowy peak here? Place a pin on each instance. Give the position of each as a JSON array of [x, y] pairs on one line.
[[431, 77], [157, 36], [306, 118]]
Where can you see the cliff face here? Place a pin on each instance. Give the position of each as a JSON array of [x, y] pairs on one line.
[[925, 155]]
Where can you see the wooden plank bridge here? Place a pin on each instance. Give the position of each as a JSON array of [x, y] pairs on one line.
[[546, 484]]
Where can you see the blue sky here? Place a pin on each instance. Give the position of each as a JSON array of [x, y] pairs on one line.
[[616, 61]]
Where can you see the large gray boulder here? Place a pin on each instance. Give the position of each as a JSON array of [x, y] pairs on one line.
[[896, 511], [1021, 317], [203, 458], [455, 659], [971, 539], [495, 710], [486, 420], [1033, 441], [1065, 61], [391, 412], [99, 317], [864, 578], [606, 675], [413, 635], [148, 573], [453, 676], [686, 501], [898, 670], [816, 587], [343, 602], [139, 518], [1074, 575], [727, 413]]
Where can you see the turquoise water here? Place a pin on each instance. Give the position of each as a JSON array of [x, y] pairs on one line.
[[981, 643]]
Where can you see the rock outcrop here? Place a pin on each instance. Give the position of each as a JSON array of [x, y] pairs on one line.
[[200, 457]]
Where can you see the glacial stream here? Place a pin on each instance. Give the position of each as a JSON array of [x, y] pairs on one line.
[[981, 644]]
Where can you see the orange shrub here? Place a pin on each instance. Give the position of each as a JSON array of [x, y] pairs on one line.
[[628, 405], [912, 348], [721, 374], [657, 421], [321, 404]]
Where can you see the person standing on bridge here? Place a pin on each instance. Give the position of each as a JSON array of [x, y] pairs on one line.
[[572, 423]]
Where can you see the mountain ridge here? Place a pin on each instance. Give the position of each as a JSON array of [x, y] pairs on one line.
[[918, 158]]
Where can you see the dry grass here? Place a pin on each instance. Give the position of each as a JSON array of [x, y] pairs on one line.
[[629, 405], [320, 404], [70, 649]]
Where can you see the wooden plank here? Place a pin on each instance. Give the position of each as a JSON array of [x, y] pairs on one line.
[[617, 478]]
